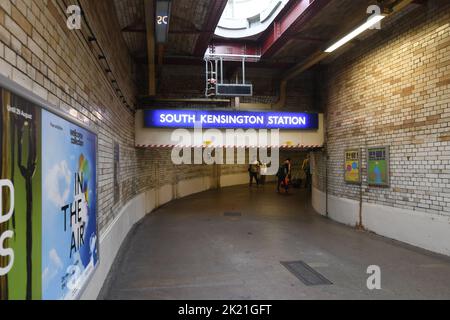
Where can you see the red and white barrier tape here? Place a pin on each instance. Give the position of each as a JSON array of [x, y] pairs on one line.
[[165, 146]]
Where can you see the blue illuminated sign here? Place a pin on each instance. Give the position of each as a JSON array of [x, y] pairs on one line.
[[230, 119]]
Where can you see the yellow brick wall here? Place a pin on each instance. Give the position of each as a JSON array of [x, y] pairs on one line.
[[61, 66], [40, 53], [394, 89]]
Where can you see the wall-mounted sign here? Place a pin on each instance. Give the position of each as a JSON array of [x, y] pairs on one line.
[[116, 172], [230, 119], [352, 166], [162, 20], [69, 207], [378, 166], [48, 203]]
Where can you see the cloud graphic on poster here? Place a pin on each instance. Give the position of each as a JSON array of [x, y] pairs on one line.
[[59, 174], [56, 259], [75, 273], [52, 270], [46, 275], [92, 247], [92, 244]]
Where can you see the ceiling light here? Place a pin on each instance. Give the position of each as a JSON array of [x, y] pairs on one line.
[[371, 22]]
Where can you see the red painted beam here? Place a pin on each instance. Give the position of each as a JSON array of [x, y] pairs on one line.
[[300, 13], [235, 48], [213, 16]]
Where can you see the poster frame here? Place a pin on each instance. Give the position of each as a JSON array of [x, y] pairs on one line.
[[359, 150], [116, 178], [388, 167], [27, 94]]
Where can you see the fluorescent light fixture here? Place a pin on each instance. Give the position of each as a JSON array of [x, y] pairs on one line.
[[371, 22]]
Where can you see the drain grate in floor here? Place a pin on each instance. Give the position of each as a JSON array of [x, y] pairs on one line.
[[232, 214], [306, 274]]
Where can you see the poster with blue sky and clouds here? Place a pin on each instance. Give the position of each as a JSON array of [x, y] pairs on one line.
[[69, 204]]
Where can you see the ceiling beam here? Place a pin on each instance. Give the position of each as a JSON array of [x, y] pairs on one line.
[[213, 16], [301, 12], [309, 39], [239, 48], [138, 26], [186, 31], [151, 47], [188, 27], [142, 29]]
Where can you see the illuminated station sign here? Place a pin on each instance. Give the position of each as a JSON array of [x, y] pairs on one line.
[[162, 20], [230, 119]]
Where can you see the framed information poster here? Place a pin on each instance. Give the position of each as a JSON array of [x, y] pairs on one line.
[[48, 202], [352, 173], [378, 166], [116, 172]]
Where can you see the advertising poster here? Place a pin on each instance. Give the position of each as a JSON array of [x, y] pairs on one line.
[[378, 166], [116, 172], [20, 199], [48, 203], [352, 166], [69, 247]]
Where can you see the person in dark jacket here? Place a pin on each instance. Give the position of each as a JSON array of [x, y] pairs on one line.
[[283, 176]]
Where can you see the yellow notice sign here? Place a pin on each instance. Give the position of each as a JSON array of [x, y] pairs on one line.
[[352, 166]]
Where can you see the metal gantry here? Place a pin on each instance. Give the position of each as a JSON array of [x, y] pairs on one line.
[[214, 72]]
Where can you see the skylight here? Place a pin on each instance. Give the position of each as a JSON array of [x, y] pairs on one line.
[[243, 9], [245, 18]]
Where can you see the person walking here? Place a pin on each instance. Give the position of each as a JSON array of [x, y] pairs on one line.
[[283, 177], [253, 171], [289, 169], [263, 173], [306, 167]]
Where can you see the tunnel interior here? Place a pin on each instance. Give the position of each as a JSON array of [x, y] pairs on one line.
[[250, 150]]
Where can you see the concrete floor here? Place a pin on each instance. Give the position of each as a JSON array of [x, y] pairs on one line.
[[188, 249]]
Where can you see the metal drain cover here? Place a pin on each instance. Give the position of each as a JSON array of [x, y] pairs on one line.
[[306, 274], [232, 214]]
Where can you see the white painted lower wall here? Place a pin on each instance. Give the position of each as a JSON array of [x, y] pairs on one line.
[[112, 238], [420, 229], [192, 186], [342, 210], [233, 179], [319, 201], [239, 178]]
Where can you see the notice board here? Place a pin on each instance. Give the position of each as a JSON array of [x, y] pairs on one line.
[[378, 166], [352, 168]]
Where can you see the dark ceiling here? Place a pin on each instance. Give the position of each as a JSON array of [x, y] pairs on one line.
[[187, 20], [322, 23]]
